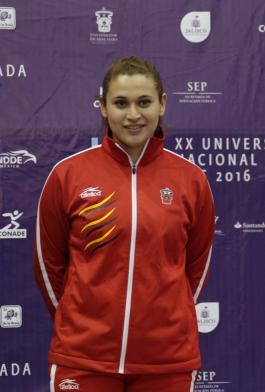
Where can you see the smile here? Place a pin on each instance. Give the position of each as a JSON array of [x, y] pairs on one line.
[[134, 127]]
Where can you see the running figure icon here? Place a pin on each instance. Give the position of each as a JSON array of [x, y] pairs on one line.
[[14, 216]]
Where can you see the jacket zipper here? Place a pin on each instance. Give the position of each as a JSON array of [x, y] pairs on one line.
[[131, 258], [130, 273]]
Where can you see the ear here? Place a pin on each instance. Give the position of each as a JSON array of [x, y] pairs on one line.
[[103, 109], [163, 104]]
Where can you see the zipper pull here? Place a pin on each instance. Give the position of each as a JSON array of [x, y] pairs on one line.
[[133, 169]]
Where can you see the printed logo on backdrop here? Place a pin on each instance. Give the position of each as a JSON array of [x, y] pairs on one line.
[[68, 384], [233, 159], [208, 381], [11, 230], [104, 25], [15, 159], [7, 18], [197, 92], [11, 316], [96, 103], [94, 141], [258, 227], [104, 20], [196, 26], [262, 28], [15, 369], [207, 316], [11, 71], [217, 229]]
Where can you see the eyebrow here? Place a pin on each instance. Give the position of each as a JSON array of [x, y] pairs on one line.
[[142, 96]]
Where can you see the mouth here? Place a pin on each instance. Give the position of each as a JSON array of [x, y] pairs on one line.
[[134, 128]]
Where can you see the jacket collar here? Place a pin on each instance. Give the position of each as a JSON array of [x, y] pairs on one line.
[[153, 147]]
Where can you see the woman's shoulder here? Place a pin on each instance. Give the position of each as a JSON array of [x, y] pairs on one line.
[[78, 158], [179, 161]]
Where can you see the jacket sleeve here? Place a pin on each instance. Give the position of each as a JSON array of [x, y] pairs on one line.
[[199, 246], [51, 243]]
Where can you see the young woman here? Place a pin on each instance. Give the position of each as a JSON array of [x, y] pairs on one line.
[[123, 245]]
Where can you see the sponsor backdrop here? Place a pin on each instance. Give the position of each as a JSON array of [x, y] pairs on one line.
[[211, 55]]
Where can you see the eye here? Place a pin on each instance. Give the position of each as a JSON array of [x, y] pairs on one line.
[[120, 103], [144, 102]]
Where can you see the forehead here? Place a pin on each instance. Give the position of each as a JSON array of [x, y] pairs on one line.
[[128, 85]]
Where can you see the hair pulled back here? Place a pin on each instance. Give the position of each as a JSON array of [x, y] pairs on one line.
[[131, 66]]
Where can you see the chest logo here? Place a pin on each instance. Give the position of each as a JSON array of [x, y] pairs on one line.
[[91, 192], [166, 195]]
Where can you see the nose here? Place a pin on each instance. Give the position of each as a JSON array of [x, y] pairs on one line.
[[133, 113]]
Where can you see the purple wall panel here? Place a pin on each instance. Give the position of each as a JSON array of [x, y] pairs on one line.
[[52, 58]]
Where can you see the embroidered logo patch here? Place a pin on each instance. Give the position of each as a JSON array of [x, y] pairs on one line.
[[68, 384], [166, 195], [91, 192]]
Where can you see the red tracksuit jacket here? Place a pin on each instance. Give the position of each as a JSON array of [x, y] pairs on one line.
[[122, 253]]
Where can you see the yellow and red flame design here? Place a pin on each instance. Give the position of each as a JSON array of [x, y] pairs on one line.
[[101, 221]]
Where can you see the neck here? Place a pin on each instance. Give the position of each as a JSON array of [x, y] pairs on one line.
[[134, 153]]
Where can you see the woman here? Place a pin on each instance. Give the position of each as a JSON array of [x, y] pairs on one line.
[[123, 244]]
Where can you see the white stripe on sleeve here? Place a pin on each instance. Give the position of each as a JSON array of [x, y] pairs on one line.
[[193, 378], [197, 293], [41, 262], [52, 378]]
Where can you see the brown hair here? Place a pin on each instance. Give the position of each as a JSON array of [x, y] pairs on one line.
[[131, 66]]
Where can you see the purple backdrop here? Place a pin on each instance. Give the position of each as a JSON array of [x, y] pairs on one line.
[[211, 56]]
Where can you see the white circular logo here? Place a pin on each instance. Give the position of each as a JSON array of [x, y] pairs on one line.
[[196, 26], [262, 28], [208, 316]]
